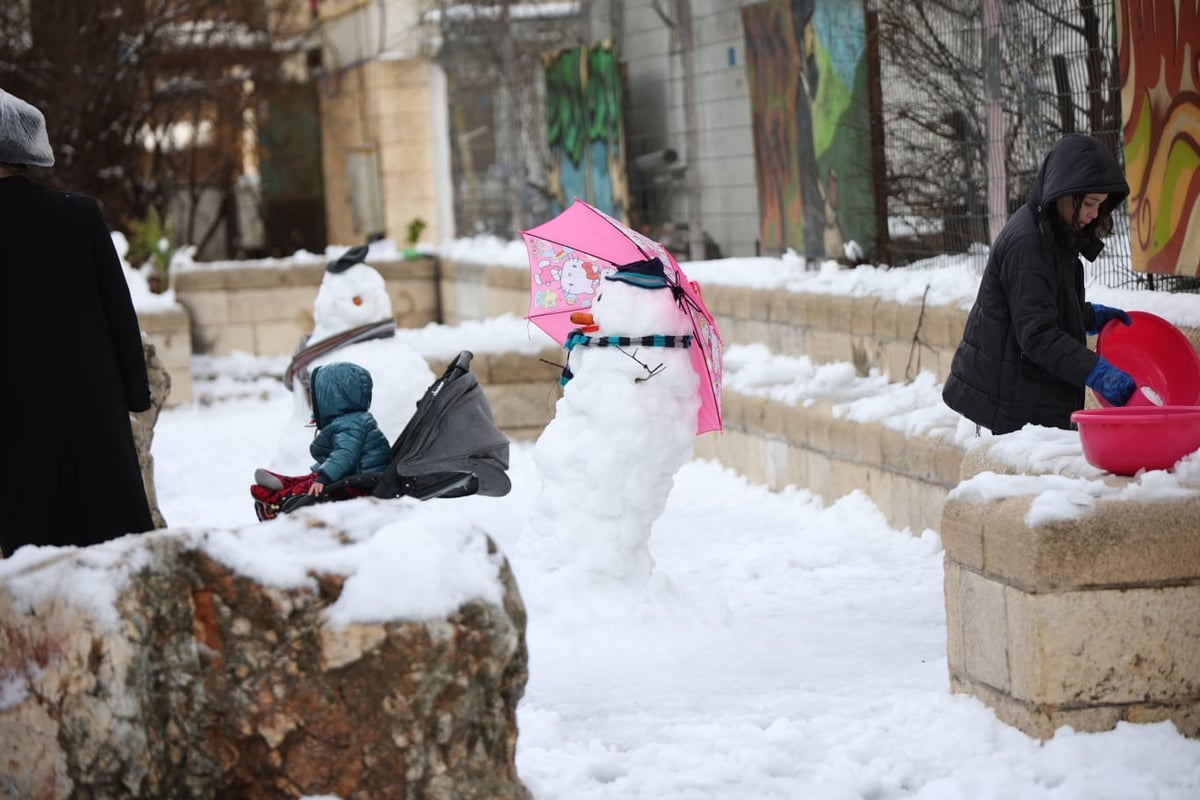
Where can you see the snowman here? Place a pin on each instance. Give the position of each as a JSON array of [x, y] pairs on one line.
[[352, 295], [353, 321], [625, 424]]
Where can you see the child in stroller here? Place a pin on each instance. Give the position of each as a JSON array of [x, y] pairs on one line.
[[450, 447], [348, 440]]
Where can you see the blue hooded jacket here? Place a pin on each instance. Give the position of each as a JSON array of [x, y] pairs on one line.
[[348, 440]]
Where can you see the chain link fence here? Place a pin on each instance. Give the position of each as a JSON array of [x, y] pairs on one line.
[[1046, 67]]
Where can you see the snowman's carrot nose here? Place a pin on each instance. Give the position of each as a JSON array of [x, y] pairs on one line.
[[582, 318], [357, 300]]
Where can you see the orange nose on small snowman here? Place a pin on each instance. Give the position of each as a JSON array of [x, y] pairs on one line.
[[582, 318], [358, 301]]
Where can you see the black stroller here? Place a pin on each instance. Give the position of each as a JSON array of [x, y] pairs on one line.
[[450, 447]]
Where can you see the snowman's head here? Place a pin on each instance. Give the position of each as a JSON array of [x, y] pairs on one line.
[[638, 300], [349, 297]]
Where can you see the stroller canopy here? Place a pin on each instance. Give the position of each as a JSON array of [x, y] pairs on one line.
[[451, 432]]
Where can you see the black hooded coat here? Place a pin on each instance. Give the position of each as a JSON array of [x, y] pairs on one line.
[[74, 369], [1023, 357]]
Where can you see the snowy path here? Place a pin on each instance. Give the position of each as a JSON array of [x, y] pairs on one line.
[[786, 650]]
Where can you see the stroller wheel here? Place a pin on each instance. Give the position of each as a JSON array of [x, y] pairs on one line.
[[296, 501]]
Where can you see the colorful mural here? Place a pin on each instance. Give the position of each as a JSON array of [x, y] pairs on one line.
[[585, 129], [1160, 97], [807, 71]]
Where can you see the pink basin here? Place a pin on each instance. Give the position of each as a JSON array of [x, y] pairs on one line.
[[1156, 355], [1125, 440]]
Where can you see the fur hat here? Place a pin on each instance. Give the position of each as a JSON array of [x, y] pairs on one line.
[[23, 138]]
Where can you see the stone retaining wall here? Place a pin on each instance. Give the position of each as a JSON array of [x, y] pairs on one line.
[[169, 331], [808, 446], [264, 308], [900, 339], [1083, 622], [473, 291]]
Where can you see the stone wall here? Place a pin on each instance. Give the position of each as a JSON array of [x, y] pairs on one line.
[[265, 309], [169, 333], [777, 444], [372, 111], [474, 291], [900, 339], [1084, 621]]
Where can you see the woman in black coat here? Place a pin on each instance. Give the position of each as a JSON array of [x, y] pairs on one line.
[[1024, 358], [72, 355]]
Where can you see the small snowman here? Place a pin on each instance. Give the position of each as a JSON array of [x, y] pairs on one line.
[[352, 296], [625, 424], [353, 321]]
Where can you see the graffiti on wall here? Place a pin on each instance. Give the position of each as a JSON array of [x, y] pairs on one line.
[[1160, 97], [807, 70], [585, 129]]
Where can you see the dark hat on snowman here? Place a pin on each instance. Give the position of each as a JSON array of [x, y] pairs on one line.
[[648, 274], [355, 255]]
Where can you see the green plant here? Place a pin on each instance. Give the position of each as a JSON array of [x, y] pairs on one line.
[[150, 243], [415, 229]]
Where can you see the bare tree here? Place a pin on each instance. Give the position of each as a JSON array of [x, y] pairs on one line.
[[936, 98], [147, 98]]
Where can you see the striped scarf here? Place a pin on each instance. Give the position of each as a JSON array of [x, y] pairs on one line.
[[307, 353], [577, 337]]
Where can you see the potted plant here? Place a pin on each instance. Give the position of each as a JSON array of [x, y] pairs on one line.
[[150, 249]]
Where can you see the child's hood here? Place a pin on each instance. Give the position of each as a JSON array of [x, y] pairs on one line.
[[338, 389]]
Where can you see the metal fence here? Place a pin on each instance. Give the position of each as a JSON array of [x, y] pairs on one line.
[[1047, 67]]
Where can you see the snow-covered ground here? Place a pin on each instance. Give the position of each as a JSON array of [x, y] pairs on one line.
[[786, 646]]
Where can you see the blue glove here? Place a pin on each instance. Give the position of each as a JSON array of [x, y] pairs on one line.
[[1104, 315], [1110, 383]]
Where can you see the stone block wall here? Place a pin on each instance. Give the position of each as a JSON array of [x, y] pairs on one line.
[[809, 446], [473, 291], [373, 108], [1083, 622], [900, 339], [266, 309], [169, 332]]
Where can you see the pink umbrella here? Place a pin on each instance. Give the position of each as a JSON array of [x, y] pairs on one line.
[[567, 258]]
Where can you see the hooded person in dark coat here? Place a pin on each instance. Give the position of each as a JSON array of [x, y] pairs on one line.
[[73, 358], [1024, 357]]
